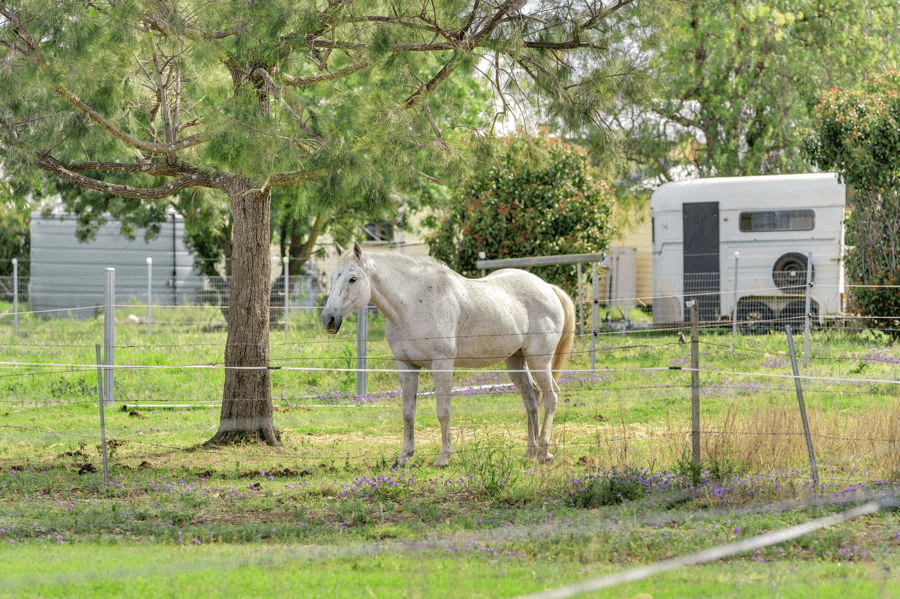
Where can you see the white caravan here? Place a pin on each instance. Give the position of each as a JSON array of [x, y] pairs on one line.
[[757, 233]]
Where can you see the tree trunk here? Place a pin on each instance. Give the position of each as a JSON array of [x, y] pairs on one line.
[[247, 398], [299, 250]]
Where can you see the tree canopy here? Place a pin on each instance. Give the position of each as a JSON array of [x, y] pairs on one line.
[[857, 134], [228, 101], [737, 81]]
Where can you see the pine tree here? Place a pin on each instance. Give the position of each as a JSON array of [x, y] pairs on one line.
[[145, 102]]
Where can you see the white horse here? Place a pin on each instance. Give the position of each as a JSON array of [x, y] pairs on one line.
[[437, 319]]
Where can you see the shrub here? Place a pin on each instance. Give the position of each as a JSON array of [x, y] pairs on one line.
[[857, 135], [542, 198], [611, 488]]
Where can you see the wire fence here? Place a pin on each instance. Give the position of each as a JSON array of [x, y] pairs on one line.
[[317, 374], [50, 363], [170, 372], [169, 382]]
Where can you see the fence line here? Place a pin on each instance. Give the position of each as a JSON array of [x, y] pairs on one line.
[[215, 290], [453, 370]]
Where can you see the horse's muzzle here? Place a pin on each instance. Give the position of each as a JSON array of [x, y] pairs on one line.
[[332, 323]]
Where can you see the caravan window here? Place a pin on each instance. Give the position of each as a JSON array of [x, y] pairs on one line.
[[778, 220]]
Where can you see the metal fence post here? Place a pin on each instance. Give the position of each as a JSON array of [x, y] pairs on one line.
[[287, 296], [734, 318], [109, 336], [149, 294], [695, 387], [799, 388], [806, 310], [595, 317], [102, 418], [580, 293], [362, 326], [15, 264]]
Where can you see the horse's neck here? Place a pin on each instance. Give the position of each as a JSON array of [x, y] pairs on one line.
[[391, 285]]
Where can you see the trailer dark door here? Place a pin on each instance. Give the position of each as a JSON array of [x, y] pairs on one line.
[[701, 257]]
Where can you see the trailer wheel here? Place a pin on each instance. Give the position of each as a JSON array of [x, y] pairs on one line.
[[755, 318], [789, 273], [794, 314]]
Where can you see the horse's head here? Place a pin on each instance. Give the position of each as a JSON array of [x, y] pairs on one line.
[[350, 289]]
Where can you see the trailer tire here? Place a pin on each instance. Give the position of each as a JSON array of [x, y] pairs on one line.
[[789, 273], [755, 318], [794, 314]]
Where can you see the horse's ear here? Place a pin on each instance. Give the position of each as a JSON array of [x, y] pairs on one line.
[[338, 248], [357, 249]]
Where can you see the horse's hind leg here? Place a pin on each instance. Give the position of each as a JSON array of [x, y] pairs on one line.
[[550, 395], [531, 397], [442, 371], [409, 386]]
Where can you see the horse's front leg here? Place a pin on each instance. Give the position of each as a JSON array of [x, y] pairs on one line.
[[409, 387], [442, 371]]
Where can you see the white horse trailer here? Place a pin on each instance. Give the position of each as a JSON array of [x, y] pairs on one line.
[[741, 247]]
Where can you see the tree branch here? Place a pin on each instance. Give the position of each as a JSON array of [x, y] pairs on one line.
[[195, 178], [466, 45], [276, 93], [292, 178], [155, 169], [314, 79], [156, 148]]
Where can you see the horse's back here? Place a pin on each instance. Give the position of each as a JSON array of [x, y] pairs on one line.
[[507, 311]]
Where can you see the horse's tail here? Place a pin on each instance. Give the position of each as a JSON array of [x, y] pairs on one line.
[[567, 339]]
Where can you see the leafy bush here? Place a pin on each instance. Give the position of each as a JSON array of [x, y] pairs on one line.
[[540, 199], [858, 135]]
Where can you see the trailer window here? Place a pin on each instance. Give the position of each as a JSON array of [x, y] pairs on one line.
[[778, 220]]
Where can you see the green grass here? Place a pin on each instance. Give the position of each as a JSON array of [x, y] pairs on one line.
[[329, 514], [228, 571]]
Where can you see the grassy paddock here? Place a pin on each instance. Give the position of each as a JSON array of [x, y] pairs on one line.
[[179, 519]]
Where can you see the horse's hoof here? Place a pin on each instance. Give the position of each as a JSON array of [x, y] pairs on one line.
[[546, 459], [442, 462]]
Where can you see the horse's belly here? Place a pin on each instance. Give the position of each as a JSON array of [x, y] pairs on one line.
[[464, 351], [486, 350]]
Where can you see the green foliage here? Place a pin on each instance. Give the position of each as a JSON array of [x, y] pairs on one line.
[[15, 223], [541, 198], [494, 470], [857, 134], [614, 487], [737, 82]]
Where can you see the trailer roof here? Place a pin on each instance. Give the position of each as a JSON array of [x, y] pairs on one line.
[[772, 191]]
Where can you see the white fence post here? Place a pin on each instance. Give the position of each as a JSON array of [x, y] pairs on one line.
[[734, 312], [595, 316], [580, 293], [362, 331], [287, 296], [15, 264], [149, 294], [809, 268], [109, 335]]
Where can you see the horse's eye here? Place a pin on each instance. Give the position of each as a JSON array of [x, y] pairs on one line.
[[352, 279]]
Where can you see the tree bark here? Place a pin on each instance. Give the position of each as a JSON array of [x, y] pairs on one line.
[[247, 397], [300, 251]]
